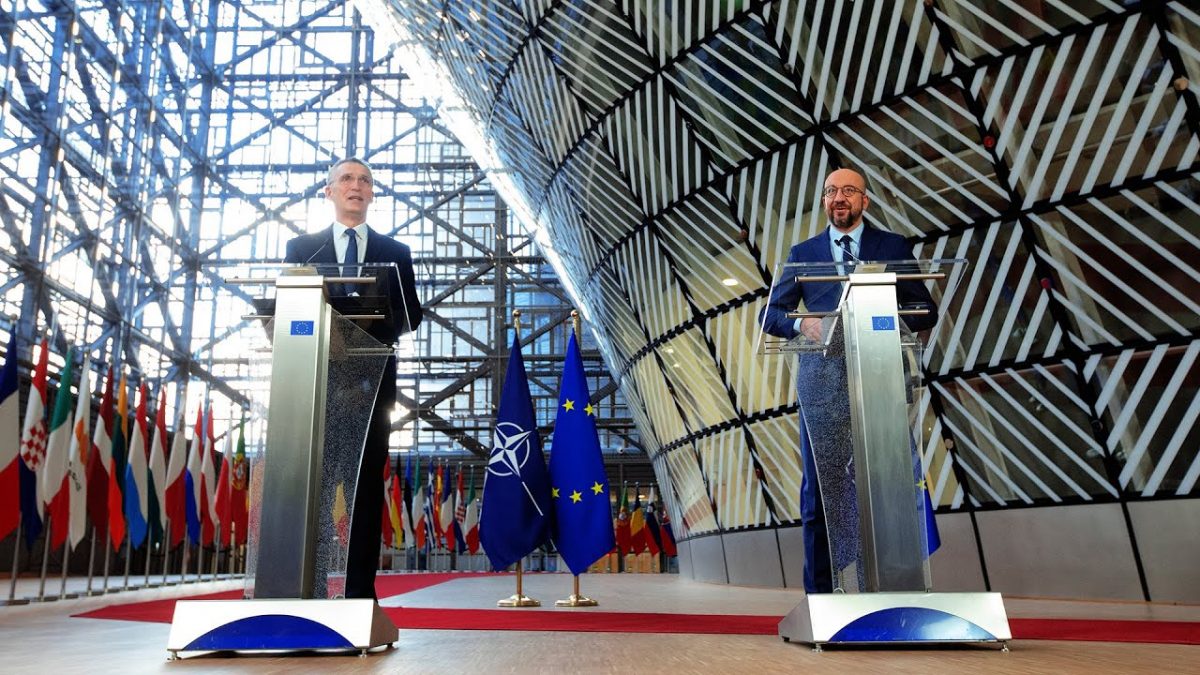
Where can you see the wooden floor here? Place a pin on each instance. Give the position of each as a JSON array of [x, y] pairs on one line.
[[44, 638]]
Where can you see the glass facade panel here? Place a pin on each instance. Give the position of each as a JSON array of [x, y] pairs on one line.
[[698, 389], [1055, 146], [1149, 403], [715, 265], [777, 442], [1025, 436], [732, 482], [694, 503]]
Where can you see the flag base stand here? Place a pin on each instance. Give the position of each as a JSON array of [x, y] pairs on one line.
[[897, 618], [264, 626], [576, 601], [518, 600]]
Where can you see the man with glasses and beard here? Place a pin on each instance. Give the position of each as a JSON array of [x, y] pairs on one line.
[[820, 381]]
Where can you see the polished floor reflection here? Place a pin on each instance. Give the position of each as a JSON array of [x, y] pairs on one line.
[[47, 638]]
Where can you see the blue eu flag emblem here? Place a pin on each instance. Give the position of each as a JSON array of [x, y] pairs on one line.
[[302, 328], [883, 323], [583, 529]]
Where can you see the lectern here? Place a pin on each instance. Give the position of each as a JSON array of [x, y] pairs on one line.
[[324, 372], [858, 370]]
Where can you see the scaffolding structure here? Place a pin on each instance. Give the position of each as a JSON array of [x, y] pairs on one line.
[[144, 145]]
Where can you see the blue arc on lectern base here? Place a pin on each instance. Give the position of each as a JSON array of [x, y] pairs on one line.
[[270, 631], [911, 624]]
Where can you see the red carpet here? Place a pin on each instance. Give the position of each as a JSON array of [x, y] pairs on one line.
[[587, 621], [1094, 630], [161, 611]]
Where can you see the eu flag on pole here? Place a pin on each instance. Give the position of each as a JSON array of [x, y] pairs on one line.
[[583, 530], [516, 492]]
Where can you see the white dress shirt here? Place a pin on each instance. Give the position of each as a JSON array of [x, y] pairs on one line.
[[341, 241]]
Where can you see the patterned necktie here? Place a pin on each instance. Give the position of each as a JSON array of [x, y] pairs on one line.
[[845, 242], [350, 262]]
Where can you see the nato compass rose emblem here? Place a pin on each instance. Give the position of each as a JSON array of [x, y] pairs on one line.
[[510, 453]]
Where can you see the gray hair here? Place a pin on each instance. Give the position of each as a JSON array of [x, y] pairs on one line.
[[348, 160]]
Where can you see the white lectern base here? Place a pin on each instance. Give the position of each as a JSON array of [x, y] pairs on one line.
[[279, 625], [897, 618]]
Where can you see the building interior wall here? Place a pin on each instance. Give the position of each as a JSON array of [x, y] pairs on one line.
[[667, 156]]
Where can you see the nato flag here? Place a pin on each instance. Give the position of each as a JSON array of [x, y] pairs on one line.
[[516, 491], [583, 528]]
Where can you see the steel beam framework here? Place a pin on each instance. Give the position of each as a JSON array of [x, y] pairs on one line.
[[144, 145]]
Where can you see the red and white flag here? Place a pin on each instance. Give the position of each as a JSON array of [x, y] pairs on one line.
[[175, 507], [208, 485], [99, 460], [77, 456], [34, 435], [158, 465]]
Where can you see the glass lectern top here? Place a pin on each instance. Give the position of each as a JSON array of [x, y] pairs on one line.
[[363, 292], [812, 294]]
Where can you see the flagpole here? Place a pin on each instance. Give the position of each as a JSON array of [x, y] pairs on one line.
[[184, 559], [12, 585], [166, 553], [200, 560], [92, 560], [519, 599], [149, 548], [62, 587], [576, 599], [107, 551], [128, 557], [41, 596], [217, 557]]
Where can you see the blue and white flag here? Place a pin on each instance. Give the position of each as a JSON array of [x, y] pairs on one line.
[[516, 490], [583, 527]]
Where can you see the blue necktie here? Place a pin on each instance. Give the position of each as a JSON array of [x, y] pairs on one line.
[[350, 262], [845, 242]]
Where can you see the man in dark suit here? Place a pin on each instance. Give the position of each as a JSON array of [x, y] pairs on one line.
[[350, 187], [820, 381]]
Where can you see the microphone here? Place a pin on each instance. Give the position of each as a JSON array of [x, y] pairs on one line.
[[846, 252], [317, 252]]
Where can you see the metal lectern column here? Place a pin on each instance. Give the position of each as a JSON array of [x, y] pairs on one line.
[[295, 440], [889, 521]]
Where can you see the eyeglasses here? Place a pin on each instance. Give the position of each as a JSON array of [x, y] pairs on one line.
[[846, 190], [347, 178]]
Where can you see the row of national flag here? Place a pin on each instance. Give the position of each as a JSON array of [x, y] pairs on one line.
[[439, 515], [126, 480], [643, 528], [526, 503]]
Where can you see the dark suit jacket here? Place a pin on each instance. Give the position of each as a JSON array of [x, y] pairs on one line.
[[317, 248], [876, 246]]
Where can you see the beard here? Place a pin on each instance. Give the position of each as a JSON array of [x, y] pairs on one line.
[[845, 220]]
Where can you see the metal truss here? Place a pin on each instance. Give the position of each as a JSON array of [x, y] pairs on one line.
[[145, 145]]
